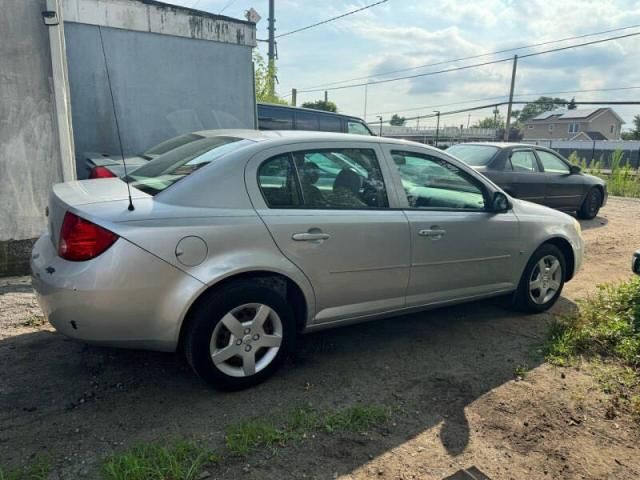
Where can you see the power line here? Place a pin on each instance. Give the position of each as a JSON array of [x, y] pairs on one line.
[[330, 19], [613, 89], [229, 3], [472, 57], [475, 65]]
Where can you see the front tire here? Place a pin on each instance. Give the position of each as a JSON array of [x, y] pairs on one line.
[[542, 280], [591, 204], [239, 335]]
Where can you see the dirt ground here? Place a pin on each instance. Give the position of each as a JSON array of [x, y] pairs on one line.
[[448, 374]]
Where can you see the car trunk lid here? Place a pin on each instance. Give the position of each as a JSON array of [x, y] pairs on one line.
[[77, 194]]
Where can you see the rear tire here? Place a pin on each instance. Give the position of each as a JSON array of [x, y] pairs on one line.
[[239, 335], [591, 204], [542, 280]]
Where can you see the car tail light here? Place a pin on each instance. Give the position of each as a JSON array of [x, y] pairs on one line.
[[82, 240], [101, 172]]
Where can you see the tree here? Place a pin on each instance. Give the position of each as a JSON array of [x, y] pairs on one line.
[[397, 120], [265, 77], [635, 133], [497, 121], [572, 104], [327, 106], [542, 104]]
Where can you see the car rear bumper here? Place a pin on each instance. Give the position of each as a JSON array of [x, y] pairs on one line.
[[125, 297]]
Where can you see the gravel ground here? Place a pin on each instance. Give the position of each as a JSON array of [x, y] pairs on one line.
[[449, 374]]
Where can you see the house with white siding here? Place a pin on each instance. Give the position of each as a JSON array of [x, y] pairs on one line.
[[577, 124]]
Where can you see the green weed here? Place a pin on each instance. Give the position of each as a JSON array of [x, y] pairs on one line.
[[179, 460]]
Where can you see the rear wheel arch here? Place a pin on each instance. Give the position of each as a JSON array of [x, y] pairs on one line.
[[280, 283]]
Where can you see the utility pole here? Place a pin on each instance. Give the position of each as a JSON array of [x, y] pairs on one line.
[[437, 112], [468, 120], [513, 82], [364, 117], [326, 96], [294, 96], [380, 118], [495, 122], [272, 48]]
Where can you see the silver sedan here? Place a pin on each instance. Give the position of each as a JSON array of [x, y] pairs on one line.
[[231, 245]]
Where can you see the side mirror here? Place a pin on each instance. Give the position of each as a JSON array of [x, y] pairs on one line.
[[573, 169], [500, 203]]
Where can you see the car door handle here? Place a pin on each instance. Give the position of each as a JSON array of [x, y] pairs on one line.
[[310, 237], [433, 233]]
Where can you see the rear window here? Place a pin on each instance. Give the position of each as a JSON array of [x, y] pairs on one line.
[[274, 118], [170, 144], [165, 170], [474, 155]]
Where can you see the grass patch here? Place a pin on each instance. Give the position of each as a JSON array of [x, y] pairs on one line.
[[39, 470], [244, 437], [623, 180], [34, 321], [520, 372], [606, 330], [606, 325], [179, 460]]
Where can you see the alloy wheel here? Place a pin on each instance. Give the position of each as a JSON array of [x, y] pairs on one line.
[[545, 280], [246, 340]]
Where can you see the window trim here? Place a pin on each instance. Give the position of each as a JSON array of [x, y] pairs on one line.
[[484, 189], [535, 158], [568, 165], [299, 183], [577, 129]]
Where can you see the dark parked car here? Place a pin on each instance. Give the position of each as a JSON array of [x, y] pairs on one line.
[[270, 117], [283, 117], [537, 174]]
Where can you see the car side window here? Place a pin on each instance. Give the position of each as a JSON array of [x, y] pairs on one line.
[[278, 183], [345, 178], [433, 183], [524, 161], [552, 163], [357, 128]]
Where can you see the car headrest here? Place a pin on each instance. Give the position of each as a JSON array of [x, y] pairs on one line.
[[309, 173], [349, 180]]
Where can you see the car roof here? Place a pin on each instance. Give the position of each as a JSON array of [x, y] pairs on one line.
[[310, 110], [277, 137], [502, 145]]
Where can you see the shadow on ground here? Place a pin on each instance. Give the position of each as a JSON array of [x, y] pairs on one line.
[[78, 403], [597, 222]]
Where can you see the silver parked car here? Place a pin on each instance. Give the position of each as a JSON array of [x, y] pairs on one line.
[[242, 239]]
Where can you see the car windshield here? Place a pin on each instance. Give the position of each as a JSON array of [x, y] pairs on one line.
[[170, 144], [474, 155], [165, 170]]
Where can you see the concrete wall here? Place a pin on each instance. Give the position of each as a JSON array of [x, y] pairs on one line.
[[163, 86], [29, 150]]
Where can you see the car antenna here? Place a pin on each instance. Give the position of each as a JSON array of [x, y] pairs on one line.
[[115, 116]]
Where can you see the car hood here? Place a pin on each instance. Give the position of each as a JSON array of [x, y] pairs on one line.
[[523, 207]]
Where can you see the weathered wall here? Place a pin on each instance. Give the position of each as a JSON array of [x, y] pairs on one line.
[[29, 151], [163, 86]]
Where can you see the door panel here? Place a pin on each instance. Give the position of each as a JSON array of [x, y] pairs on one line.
[[524, 177], [563, 190], [459, 250], [357, 262], [474, 255], [330, 216]]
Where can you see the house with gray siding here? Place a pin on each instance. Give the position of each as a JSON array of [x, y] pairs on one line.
[[577, 124]]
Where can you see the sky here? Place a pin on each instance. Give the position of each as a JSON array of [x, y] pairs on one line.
[[401, 34]]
